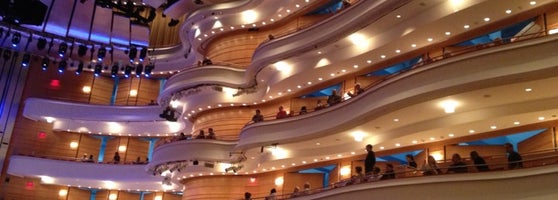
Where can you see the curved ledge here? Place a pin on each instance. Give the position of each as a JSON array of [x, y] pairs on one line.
[[85, 174], [482, 69]]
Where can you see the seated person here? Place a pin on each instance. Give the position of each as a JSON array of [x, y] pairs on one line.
[[90, 159], [207, 61], [210, 134], [389, 173], [479, 162], [430, 167], [296, 192], [281, 114], [201, 135], [358, 177], [258, 117], [319, 105], [458, 165], [182, 136], [357, 90], [334, 98], [375, 176], [303, 110]]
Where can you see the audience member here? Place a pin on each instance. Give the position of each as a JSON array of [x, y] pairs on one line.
[[303, 110], [376, 175], [211, 134], [91, 159], [182, 136], [370, 160], [296, 192], [430, 167], [356, 91], [207, 61], [270, 37], [319, 105], [258, 117], [201, 135], [514, 159], [334, 98], [388, 173], [272, 195], [479, 162], [84, 157], [411, 161], [116, 158], [358, 177], [138, 160], [281, 114], [306, 188], [291, 113], [152, 103], [458, 166], [247, 196]]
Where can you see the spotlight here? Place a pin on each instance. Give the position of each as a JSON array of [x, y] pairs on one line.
[[98, 69], [25, 60], [82, 50], [101, 53], [62, 49], [44, 63], [127, 71], [114, 70], [79, 68], [143, 54], [62, 66], [133, 53], [139, 69], [173, 22], [15, 39], [41, 44], [148, 69]]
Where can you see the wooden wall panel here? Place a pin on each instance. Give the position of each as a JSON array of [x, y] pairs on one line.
[[136, 147], [123, 92], [291, 180], [89, 145], [21, 188], [78, 194], [123, 195], [161, 34], [101, 92], [102, 195], [540, 142], [148, 90], [111, 148]]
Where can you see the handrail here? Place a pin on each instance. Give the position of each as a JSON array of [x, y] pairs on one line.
[[410, 173]]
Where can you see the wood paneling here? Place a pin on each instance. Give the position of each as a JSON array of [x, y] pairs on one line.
[[101, 90], [136, 147], [147, 90], [161, 34], [539, 142]]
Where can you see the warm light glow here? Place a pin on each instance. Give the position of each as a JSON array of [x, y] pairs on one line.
[[158, 198], [279, 152], [252, 180], [74, 145], [229, 91], [47, 179], [322, 62], [174, 126], [283, 66], [174, 103], [133, 93], [109, 184], [345, 171], [449, 105], [49, 119], [115, 127], [279, 181], [358, 135], [217, 24], [456, 5], [437, 155], [86, 89], [553, 31], [358, 40], [223, 166], [112, 196], [62, 192], [249, 16], [122, 148]]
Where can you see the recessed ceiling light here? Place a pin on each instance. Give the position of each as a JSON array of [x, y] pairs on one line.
[[451, 135], [297, 5], [309, 83], [212, 32], [516, 123], [493, 127], [508, 11], [533, 3], [486, 19], [288, 10], [280, 15], [263, 23], [332, 74], [272, 19], [244, 104], [298, 86], [414, 141], [355, 66], [368, 61], [319, 52], [528, 89], [352, 153], [432, 138], [263, 100], [383, 56], [471, 131], [319, 79], [254, 25], [398, 16], [381, 147], [430, 39], [466, 26], [232, 104], [541, 118], [279, 93], [339, 155], [270, 97], [395, 120], [343, 70], [397, 144], [242, 26], [219, 105], [413, 45], [289, 90], [448, 33], [397, 51], [318, 144]]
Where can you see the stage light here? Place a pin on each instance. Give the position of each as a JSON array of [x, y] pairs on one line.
[[82, 50], [25, 60], [148, 69], [114, 70], [139, 69], [41, 44], [62, 49], [101, 53], [44, 63], [127, 71], [16, 38], [79, 68], [133, 53], [62, 66], [98, 69], [143, 54]]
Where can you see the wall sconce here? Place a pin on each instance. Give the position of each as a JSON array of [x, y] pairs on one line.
[[122, 148], [158, 198], [74, 145], [86, 89], [133, 93], [279, 181], [113, 196], [345, 171], [63, 192]]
